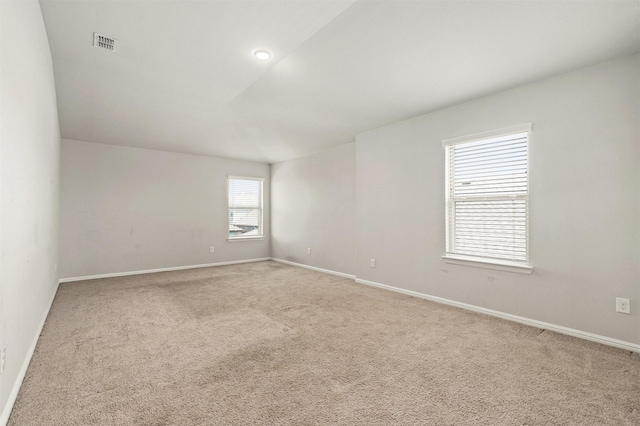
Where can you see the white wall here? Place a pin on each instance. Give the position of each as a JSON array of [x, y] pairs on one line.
[[129, 209], [29, 158], [584, 201], [313, 206]]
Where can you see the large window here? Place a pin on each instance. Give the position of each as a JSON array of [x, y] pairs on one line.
[[245, 207], [487, 197]]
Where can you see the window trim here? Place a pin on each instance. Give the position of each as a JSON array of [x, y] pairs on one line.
[[505, 131], [487, 263], [261, 225], [523, 267]]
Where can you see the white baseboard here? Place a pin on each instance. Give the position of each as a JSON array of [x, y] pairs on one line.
[[151, 271], [6, 412], [313, 268], [522, 320]]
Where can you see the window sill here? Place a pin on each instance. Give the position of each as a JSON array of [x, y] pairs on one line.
[[499, 265], [245, 238]]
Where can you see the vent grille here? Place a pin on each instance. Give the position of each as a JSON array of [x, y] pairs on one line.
[[104, 42]]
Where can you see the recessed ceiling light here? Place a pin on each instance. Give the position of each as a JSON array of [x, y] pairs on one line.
[[262, 55]]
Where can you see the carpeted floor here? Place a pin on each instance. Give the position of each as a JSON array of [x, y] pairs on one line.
[[270, 344]]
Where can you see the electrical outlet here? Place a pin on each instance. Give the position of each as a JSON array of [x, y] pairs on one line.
[[308, 251], [212, 249], [3, 358], [623, 305], [373, 263]]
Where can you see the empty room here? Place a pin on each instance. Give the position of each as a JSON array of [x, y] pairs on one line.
[[320, 212]]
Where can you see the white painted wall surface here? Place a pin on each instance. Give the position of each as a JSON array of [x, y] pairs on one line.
[[130, 209], [29, 159], [313, 205], [584, 201]]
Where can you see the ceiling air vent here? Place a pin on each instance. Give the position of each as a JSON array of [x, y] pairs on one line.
[[104, 42]]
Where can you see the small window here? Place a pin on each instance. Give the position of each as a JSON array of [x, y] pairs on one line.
[[487, 197], [245, 207]]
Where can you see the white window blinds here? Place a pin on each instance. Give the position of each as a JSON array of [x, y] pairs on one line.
[[245, 207], [487, 196]]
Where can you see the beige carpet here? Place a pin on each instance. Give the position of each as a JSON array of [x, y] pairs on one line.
[[269, 344]]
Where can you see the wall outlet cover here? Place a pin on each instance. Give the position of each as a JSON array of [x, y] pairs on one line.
[[623, 305]]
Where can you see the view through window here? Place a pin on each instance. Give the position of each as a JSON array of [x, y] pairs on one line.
[[245, 207]]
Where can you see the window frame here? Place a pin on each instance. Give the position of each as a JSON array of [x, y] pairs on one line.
[[260, 236], [452, 257]]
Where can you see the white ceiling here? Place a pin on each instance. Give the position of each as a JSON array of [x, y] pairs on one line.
[[184, 78]]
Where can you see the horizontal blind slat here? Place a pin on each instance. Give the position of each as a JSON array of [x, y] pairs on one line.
[[490, 157], [487, 151], [500, 170], [514, 149], [479, 146]]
